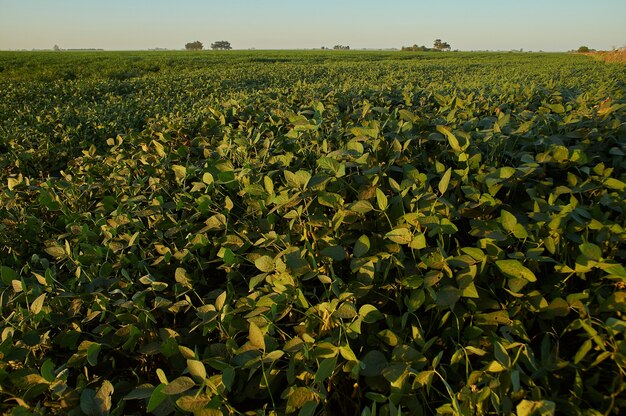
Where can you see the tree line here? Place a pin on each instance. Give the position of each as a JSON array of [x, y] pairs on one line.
[[218, 45], [438, 45]]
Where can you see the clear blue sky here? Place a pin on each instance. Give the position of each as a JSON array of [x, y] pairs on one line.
[[549, 25]]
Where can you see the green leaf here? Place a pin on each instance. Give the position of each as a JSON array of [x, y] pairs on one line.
[[88, 403], [7, 275], [331, 200], [255, 335], [361, 206], [493, 318], [361, 247], [228, 377], [389, 337], [325, 369], [501, 354], [591, 251], [308, 409], [470, 291], [156, 398], [265, 264], [370, 314], [454, 143], [47, 370], [445, 181], [475, 253], [346, 310], [508, 220], [92, 353], [381, 200], [514, 269], [337, 168], [400, 236], [179, 385], [374, 361], [583, 350], [141, 392], [297, 180], [336, 253], [448, 296]]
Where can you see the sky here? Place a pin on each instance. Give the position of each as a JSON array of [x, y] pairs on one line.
[[548, 25]]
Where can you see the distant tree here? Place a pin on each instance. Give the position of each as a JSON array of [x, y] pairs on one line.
[[56, 48], [416, 48], [341, 47], [441, 46], [194, 46], [583, 49], [221, 45]]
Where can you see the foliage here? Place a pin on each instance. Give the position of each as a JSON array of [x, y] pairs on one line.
[[341, 47], [194, 46], [583, 49], [416, 48], [221, 45], [441, 46], [312, 233]]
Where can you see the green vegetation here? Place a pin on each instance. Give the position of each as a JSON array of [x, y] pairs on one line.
[[194, 46], [312, 233]]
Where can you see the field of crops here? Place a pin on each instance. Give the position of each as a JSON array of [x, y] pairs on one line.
[[310, 233]]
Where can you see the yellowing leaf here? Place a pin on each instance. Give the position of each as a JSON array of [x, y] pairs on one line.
[[445, 181], [194, 403], [182, 277], [381, 200], [540, 408], [57, 252], [179, 385], [400, 236], [37, 304], [615, 184], [454, 143], [591, 251], [255, 336], [179, 172], [196, 370], [515, 269], [508, 220], [103, 396], [159, 148], [264, 264], [12, 183]]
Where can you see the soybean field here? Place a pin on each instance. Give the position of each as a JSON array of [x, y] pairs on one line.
[[312, 233]]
